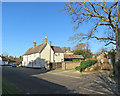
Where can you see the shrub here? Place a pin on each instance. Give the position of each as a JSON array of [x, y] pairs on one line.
[[85, 54], [75, 60], [85, 64]]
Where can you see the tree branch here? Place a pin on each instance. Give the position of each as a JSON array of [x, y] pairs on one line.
[[94, 8], [103, 38], [110, 43]]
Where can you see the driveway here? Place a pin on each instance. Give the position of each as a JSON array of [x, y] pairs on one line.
[[40, 81]]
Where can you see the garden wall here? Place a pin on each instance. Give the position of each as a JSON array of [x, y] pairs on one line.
[[70, 64], [57, 65]]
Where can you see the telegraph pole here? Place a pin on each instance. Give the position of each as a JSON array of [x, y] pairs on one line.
[[50, 51], [50, 56]]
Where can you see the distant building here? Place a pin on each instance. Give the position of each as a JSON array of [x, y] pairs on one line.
[[3, 60], [6, 61], [103, 58], [67, 51], [72, 57], [17, 60], [38, 56], [69, 56]]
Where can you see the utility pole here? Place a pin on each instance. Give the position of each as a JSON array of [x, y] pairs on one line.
[[50, 56], [50, 51]]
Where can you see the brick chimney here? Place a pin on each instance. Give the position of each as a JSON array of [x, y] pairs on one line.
[[34, 44], [45, 40]]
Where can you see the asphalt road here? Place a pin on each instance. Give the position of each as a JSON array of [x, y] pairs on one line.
[[40, 81]]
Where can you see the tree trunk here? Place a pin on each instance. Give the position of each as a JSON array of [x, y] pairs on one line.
[[117, 59], [118, 49]]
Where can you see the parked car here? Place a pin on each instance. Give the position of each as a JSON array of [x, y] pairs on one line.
[[14, 65]]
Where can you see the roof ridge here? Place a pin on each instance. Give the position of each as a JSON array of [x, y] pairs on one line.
[[36, 49]]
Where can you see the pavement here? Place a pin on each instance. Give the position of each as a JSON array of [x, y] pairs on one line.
[[40, 81]]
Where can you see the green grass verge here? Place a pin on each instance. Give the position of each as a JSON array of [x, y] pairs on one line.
[[8, 88]]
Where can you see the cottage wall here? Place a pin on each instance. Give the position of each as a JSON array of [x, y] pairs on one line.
[[59, 57], [28, 59], [45, 54], [38, 59]]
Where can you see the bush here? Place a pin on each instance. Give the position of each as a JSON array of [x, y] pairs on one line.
[[75, 60], [85, 54], [85, 64]]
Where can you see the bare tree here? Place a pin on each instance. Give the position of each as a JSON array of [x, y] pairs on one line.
[[100, 14], [80, 46]]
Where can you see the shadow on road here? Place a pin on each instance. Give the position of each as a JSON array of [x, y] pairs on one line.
[[107, 83], [28, 84]]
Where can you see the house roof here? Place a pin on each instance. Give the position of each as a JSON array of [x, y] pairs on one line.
[[17, 59], [73, 56], [57, 49], [4, 59], [35, 49], [102, 55], [40, 47], [12, 60]]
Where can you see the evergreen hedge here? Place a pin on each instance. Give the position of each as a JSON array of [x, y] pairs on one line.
[[85, 64]]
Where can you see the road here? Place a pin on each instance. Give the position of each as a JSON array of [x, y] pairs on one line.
[[40, 81]]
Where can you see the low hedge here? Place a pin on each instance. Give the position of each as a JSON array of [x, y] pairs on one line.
[[85, 64], [75, 60]]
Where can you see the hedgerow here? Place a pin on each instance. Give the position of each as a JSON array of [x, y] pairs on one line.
[[85, 64]]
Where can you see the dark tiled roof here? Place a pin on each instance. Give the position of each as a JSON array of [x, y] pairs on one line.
[[4, 59], [40, 47], [57, 49], [35, 49], [73, 56], [12, 60]]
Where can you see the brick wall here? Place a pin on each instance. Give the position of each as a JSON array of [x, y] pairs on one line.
[[70, 64]]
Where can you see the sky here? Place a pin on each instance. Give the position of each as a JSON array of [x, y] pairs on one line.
[[24, 22]]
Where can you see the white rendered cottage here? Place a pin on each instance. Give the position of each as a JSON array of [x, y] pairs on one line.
[[3, 60], [38, 56]]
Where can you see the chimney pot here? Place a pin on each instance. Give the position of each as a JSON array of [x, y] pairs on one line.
[[45, 40], [34, 44]]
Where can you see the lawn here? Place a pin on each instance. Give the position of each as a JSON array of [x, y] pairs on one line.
[[8, 88]]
